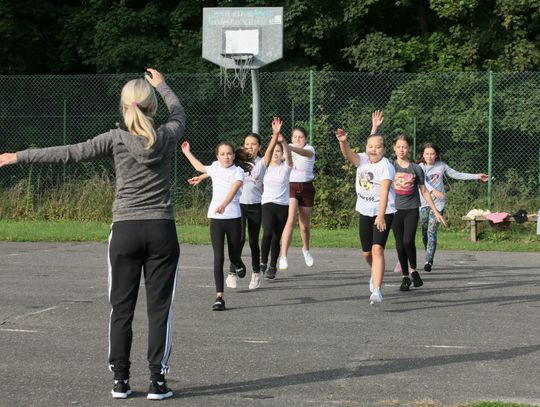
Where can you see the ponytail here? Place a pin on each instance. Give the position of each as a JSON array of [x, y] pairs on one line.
[[242, 160], [139, 105]]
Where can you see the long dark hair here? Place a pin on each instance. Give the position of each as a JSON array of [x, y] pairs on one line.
[[256, 136], [420, 155], [241, 158]]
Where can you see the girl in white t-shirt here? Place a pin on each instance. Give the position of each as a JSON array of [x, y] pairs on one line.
[[227, 174], [374, 201], [250, 209], [301, 196], [275, 197]]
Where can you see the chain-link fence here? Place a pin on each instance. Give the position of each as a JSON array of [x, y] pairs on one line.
[[482, 122]]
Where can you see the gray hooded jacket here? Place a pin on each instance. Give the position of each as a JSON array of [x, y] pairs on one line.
[[142, 175]]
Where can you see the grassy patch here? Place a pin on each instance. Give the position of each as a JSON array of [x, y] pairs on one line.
[[37, 230]]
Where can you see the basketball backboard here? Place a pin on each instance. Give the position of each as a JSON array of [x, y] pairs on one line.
[[256, 32]]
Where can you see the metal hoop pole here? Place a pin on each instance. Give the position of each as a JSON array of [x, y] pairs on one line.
[[255, 91]]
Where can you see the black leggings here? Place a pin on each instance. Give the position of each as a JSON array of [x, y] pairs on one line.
[[274, 218], [219, 228], [251, 216], [370, 235], [404, 226]]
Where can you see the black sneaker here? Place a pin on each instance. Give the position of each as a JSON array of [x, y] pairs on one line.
[[121, 389], [427, 266], [262, 268], [219, 304], [158, 391], [417, 281], [270, 273], [240, 270], [405, 284]]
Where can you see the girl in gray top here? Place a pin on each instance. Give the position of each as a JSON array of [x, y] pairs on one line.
[[143, 234], [435, 169]]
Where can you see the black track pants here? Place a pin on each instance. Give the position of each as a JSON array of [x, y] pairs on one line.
[[251, 217], [404, 226], [219, 228], [274, 218], [150, 247]]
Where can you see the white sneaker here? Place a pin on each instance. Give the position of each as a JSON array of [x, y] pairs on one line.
[[376, 297], [231, 280], [256, 280], [308, 258], [283, 264], [371, 285]]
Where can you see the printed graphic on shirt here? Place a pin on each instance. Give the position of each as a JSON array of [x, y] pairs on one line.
[[404, 183], [365, 180], [434, 178]]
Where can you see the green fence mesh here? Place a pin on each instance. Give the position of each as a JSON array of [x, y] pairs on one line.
[[482, 122]]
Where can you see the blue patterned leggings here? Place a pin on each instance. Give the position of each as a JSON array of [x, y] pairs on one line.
[[429, 232]]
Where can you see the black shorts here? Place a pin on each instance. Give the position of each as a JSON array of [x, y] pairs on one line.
[[304, 192], [370, 235]]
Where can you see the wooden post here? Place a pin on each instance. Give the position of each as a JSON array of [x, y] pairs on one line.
[[473, 230]]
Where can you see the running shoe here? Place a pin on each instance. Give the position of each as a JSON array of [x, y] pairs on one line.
[[417, 281], [121, 389], [231, 280], [405, 284], [256, 280], [308, 258], [219, 304], [376, 297], [240, 270], [283, 264], [158, 391], [271, 273], [427, 266]]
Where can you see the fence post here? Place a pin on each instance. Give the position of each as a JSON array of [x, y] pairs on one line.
[[64, 136], [490, 136], [414, 138], [311, 97]]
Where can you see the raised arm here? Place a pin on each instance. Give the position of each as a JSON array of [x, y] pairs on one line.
[[196, 163], [346, 150], [377, 117], [286, 150], [276, 130], [176, 123]]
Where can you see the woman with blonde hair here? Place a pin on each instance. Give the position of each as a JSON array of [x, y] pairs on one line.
[[143, 234]]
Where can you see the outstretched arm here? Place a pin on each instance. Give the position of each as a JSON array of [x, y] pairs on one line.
[[8, 159], [198, 179], [276, 130], [302, 151], [377, 117], [196, 163], [346, 150]]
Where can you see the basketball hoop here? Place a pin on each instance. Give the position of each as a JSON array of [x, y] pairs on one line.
[[238, 76]]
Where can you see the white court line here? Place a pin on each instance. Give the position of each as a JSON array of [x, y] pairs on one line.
[[204, 286], [18, 330], [41, 311], [447, 346], [254, 341]]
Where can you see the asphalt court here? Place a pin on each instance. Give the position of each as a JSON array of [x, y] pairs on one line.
[[309, 338]]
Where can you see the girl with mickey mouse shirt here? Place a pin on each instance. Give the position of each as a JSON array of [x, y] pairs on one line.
[[375, 203]]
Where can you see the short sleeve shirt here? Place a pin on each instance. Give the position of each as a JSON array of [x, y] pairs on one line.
[[406, 183], [303, 166], [222, 182], [276, 184], [253, 183], [368, 185]]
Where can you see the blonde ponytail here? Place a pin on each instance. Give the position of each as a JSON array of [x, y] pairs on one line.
[[139, 104]]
